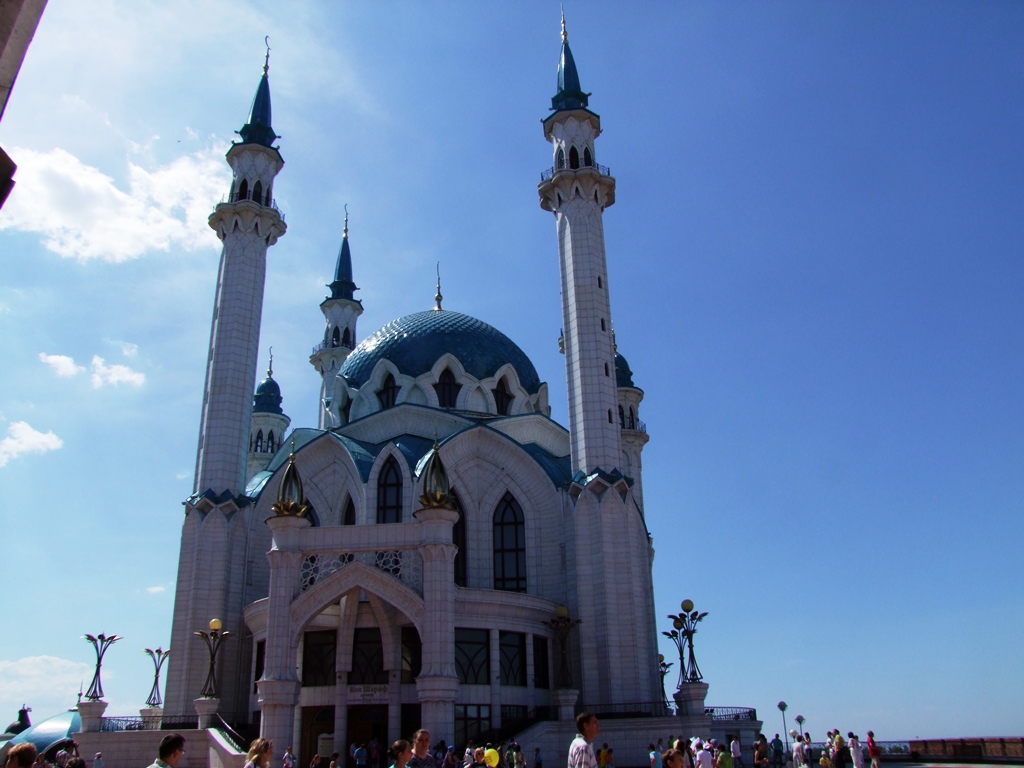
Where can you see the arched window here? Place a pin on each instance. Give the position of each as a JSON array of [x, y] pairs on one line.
[[459, 540], [388, 394], [389, 492], [257, 191], [606, 369], [622, 418], [602, 324], [599, 284], [231, 192], [259, 442], [560, 159], [270, 442], [350, 513], [269, 198], [610, 416], [447, 389], [335, 337], [502, 397], [509, 546], [632, 418], [587, 159], [243, 190], [346, 339], [574, 157]]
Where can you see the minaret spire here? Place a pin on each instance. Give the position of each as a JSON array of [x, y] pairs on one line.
[[438, 296]]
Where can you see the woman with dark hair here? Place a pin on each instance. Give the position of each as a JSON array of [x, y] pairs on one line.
[[400, 753]]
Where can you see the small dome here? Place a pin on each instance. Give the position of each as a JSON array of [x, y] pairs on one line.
[[415, 342], [623, 376], [268, 397]]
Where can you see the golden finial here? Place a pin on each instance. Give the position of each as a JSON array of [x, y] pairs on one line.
[[438, 297], [266, 61], [565, 37], [344, 232], [291, 502]]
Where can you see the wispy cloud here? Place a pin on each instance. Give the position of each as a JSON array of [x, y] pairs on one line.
[[114, 374], [62, 365], [155, 590], [82, 214], [127, 348], [21, 438], [50, 684]]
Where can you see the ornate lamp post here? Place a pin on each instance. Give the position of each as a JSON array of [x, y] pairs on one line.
[[685, 627], [100, 644], [800, 720], [663, 667], [159, 656], [782, 708], [214, 639], [562, 625]]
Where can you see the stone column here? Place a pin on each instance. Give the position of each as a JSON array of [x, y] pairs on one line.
[[91, 713], [438, 684], [279, 688], [206, 708], [494, 657], [564, 700], [690, 699], [531, 672]]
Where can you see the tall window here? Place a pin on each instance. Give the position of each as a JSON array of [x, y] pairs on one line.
[[541, 668], [261, 658], [257, 191], [367, 658], [389, 493], [346, 339], [335, 337], [259, 441], [318, 654], [622, 418], [350, 513], [270, 442], [509, 546], [470, 721], [574, 158], [447, 389], [502, 397], [587, 159], [388, 394], [412, 654], [459, 540], [512, 646], [472, 656], [560, 159], [632, 418], [243, 190]]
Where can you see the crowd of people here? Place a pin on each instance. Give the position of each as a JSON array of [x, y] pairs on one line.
[[67, 757]]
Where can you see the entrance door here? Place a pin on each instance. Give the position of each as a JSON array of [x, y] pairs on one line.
[[315, 721], [366, 723]]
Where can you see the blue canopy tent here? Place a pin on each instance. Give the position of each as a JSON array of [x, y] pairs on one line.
[[47, 734]]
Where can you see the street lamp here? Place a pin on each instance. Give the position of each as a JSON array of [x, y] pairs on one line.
[[663, 667], [159, 656], [800, 720], [214, 639], [782, 708], [562, 625], [100, 643], [685, 627]]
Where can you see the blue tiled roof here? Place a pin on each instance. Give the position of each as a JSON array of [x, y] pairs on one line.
[[415, 342], [268, 397], [258, 130], [342, 285], [570, 95], [623, 376]]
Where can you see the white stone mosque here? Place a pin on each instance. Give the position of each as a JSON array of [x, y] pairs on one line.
[[422, 557]]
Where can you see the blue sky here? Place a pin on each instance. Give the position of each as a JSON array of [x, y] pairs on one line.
[[815, 268]]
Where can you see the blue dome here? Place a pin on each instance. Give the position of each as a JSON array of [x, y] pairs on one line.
[[268, 397], [623, 376], [415, 342]]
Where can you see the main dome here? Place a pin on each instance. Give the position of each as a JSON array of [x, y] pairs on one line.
[[415, 342]]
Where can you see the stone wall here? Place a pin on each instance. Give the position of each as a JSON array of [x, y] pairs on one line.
[[137, 749]]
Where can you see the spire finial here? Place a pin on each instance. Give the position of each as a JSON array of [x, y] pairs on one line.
[[344, 232], [438, 297], [270, 366], [266, 61], [565, 37]]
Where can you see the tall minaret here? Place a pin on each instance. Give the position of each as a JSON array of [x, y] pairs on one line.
[[247, 224], [341, 310], [577, 191]]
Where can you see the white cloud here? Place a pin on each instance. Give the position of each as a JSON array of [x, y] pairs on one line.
[[154, 590], [62, 364], [21, 438], [183, 474], [48, 684], [114, 374], [127, 348], [82, 214]]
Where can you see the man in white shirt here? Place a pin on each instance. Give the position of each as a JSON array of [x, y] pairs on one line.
[[581, 751], [704, 758], [288, 761], [737, 753]]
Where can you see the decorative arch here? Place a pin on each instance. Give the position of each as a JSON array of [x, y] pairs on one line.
[[447, 389], [560, 159], [503, 398], [574, 157], [588, 159], [349, 518], [258, 446], [388, 392], [257, 191], [622, 418], [459, 540], [346, 339], [632, 418], [389, 492], [335, 337], [271, 444], [243, 190], [509, 545]]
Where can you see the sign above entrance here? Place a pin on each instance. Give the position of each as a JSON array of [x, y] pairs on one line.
[[367, 694]]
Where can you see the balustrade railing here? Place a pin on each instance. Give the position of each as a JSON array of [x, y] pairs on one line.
[[233, 198], [547, 173], [406, 566], [148, 723], [731, 713]]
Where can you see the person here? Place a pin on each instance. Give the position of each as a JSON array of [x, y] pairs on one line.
[[874, 751], [660, 747], [609, 759], [41, 760], [97, 762], [21, 755], [360, 757], [400, 753], [259, 754], [737, 752], [315, 762], [441, 752], [374, 750], [479, 757], [538, 761], [602, 755], [66, 753], [467, 757], [334, 760], [288, 760], [839, 749], [76, 762], [724, 756], [685, 750], [655, 756], [808, 749], [778, 751], [761, 751], [170, 751], [824, 761], [450, 759], [581, 750], [856, 751], [704, 759], [421, 757], [671, 757], [798, 748]]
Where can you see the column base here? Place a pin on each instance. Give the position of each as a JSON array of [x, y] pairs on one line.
[[565, 700], [277, 706], [436, 694], [91, 713], [206, 709], [152, 718], [690, 699]]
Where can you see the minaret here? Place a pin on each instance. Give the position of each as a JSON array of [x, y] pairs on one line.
[[248, 223], [577, 191], [341, 309], [269, 423]]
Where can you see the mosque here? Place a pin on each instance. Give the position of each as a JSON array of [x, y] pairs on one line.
[[421, 557]]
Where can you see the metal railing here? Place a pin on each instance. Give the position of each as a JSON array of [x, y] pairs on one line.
[[148, 723], [629, 709], [233, 198], [637, 425], [547, 173], [230, 734], [731, 713]]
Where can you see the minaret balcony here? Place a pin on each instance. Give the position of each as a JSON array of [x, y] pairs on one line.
[[548, 173]]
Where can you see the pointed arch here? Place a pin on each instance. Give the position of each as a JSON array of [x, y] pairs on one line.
[[560, 159], [271, 442], [509, 545], [459, 540], [588, 159], [346, 339], [257, 191], [502, 397], [574, 157], [389, 492], [335, 337], [388, 393], [243, 190], [622, 418], [270, 188], [447, 389], [350, 513], [632, 418], [258, 448]]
